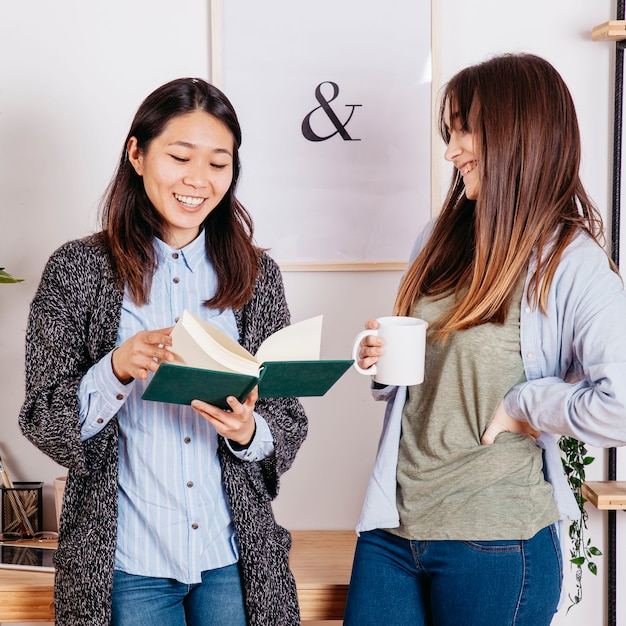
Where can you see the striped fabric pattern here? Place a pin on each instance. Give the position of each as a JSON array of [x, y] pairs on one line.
[[173, 519]]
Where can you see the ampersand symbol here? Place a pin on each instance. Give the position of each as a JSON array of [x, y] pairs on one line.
[[307, 131]]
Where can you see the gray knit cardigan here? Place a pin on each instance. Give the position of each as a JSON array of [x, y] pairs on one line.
[[72, 324]]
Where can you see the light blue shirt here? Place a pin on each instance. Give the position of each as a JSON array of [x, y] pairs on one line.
[[575, 364], [173, 519]]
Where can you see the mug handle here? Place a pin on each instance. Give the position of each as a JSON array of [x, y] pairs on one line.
[[355, 350]]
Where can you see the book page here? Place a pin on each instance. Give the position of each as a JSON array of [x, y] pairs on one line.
[[298, 342], [196, 343]]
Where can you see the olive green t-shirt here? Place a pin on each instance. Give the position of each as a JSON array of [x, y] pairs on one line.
[[449, 485]]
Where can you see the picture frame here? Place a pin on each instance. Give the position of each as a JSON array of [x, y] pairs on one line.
[[384, 144]]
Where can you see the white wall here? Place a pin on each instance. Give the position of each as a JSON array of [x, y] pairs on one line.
[[71, 76]]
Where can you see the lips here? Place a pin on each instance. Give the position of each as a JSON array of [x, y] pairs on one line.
[[189, 201], [468, 167]]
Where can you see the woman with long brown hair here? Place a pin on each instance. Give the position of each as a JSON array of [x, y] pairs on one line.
[[526, 342], [166, 516]]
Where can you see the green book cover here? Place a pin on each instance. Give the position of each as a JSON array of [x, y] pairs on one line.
[[299, 379], [209, 365], [180, 384]]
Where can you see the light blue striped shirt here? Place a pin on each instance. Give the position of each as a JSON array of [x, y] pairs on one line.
[[173, 520]]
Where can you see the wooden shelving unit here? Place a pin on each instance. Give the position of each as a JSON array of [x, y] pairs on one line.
[[610, 495], [606, 495], [614, 30], [321, 561]]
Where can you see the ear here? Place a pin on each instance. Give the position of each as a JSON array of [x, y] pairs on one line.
[[135, 155]]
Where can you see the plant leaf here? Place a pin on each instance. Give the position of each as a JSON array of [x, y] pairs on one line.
[[7, 278]]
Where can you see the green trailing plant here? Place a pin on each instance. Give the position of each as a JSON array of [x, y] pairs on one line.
[[575, 460], [7, 278]]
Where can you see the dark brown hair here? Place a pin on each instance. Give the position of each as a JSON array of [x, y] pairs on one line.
[[530, 199], [130, 222]]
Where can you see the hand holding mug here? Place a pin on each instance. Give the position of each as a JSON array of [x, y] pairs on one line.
[[370, 348], [392, 349]]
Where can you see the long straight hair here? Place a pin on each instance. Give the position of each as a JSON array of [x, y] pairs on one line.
[[530, 200], [130, 222]]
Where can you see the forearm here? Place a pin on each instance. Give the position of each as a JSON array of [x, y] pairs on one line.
[[589, 411]]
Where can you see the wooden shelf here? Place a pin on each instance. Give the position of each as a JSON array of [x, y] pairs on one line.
[[26, 596], [614, 30], [606, 495], [321, 561]]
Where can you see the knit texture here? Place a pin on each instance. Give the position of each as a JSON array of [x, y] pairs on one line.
[[72, 324]]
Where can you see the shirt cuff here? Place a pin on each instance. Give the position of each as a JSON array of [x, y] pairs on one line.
[[100, 395], [262, 444]]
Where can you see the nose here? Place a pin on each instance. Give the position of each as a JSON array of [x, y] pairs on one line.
[[196, 175], [452, 150]]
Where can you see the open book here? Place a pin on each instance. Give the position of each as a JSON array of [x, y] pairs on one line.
[[210, 365]]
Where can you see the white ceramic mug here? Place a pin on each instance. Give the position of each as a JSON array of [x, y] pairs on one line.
[[404, 351]]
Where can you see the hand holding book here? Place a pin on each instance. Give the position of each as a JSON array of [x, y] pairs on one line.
[[210, 366]]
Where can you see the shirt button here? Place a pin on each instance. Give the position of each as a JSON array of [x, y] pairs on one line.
[[190, 484], [187, 439], [195, 525], [176, 319], [120, 396], [530, 355], [176, 279], [175, 255], [527, 309], [99, 420]]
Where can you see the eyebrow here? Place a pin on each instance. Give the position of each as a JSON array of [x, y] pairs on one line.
[[187, 144]]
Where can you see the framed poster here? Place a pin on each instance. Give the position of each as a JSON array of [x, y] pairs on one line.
[[334, 100]]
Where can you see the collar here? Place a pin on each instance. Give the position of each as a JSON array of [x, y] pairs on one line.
[[193, 254]]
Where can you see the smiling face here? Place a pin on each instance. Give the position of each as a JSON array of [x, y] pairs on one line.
[[461, 152], [186, 172]]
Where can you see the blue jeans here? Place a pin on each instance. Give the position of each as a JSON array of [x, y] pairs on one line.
[[216, 601], [397, 582]]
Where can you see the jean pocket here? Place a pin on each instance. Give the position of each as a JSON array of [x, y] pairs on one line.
[[505, 546]]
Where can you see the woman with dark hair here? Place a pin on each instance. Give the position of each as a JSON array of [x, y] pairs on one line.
[[166, 517], [526, 342]]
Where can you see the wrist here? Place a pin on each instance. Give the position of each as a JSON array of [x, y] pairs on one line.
[[125, 380], [239, 447]]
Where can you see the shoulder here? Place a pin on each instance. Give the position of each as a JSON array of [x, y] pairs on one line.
[[583, 242], [270, 279], [80, 253], [78, 266], [584, 279], [584, 257], [268, 267]]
